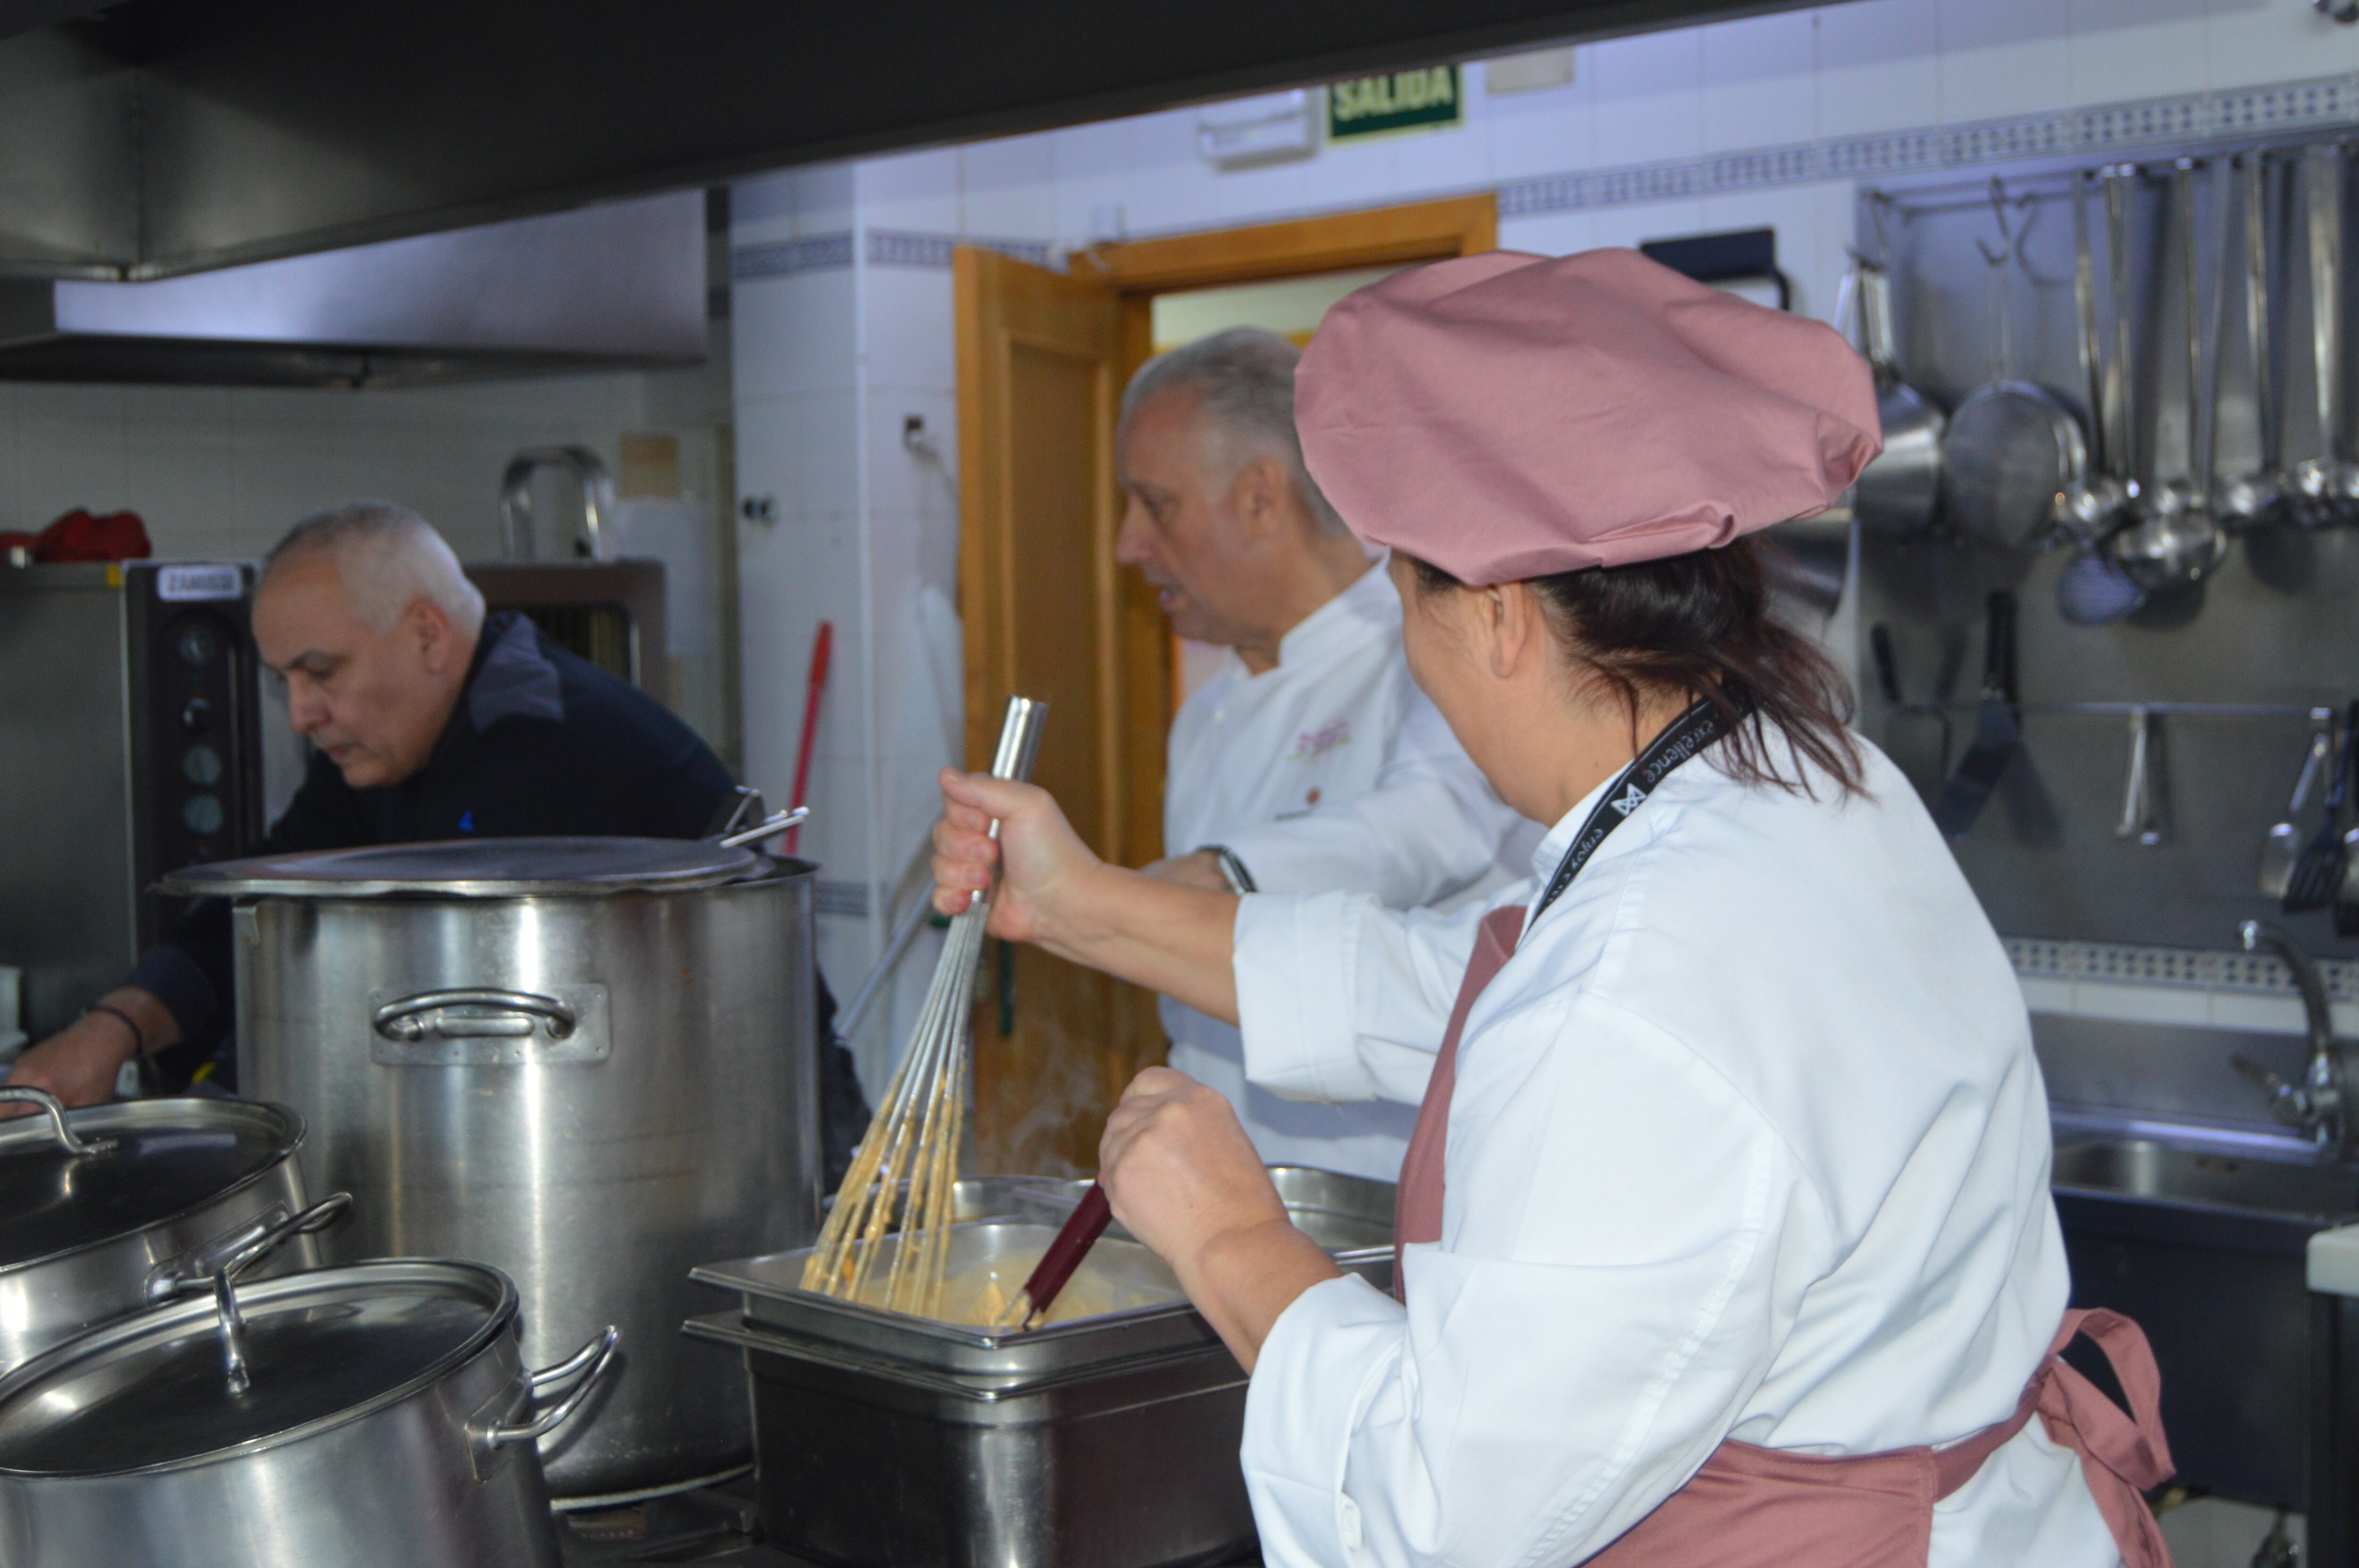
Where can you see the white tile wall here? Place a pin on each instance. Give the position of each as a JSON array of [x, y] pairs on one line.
[[794, 450], [2138, 49], [794, 334], [2004, 57], [1648, 96], [907, 312], [225, 471], [2253, 41], [1654, 221], [915, 191], [1758, 87], [1550, 233], [1536, 134], [1879, 65]]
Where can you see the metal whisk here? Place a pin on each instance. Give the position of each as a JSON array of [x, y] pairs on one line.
[[907, 1165]]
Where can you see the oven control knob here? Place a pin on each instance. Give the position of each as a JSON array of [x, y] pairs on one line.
[[197, 717], [197, 646], [202, 814]]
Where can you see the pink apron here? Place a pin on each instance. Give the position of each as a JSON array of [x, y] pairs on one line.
[[1760, 1507]]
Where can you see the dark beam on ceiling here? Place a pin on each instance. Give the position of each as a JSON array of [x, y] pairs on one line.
[[24, 15], [168, 135]]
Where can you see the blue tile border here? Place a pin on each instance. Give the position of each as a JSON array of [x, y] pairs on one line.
[[2102, 129], [788, 257], [896, 247], [883, 247], [2204, 968]]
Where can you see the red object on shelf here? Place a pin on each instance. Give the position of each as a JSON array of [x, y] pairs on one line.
[[822, 647], [79, 535], [1074, 1238]]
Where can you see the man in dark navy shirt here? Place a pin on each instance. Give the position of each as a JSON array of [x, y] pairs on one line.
[[429, 719]]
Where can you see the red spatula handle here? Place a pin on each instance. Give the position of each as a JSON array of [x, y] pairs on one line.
[[1074, 1239]]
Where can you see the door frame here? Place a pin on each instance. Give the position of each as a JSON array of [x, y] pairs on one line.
[[1138, 270]]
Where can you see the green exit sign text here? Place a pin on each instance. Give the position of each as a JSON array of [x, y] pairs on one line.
[[1372, 105]]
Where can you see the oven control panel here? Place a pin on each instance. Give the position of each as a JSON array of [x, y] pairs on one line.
[[196, 737]]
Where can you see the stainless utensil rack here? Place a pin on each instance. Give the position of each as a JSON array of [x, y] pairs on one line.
[[2124, 710], [2231, 666]]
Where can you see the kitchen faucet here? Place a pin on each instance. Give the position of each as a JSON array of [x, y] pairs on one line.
[[2316, 1106]]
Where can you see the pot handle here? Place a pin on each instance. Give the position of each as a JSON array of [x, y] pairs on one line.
[[54, 1108], [404, 1019], [769, 828], [244, 1248], [571, 1367], [588, 1366]]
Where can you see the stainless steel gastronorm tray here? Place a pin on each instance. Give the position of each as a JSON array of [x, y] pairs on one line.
[[1352, 1218], [870, 1462]]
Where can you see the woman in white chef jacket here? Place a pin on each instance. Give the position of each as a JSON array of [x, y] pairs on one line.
[[1726, 1233]]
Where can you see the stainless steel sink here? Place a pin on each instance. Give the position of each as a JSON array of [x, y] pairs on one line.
[[2199, 1233], [2150, 1169]]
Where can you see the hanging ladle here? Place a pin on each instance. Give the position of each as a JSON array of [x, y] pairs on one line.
[[2175, 542], [2093, 588], [2256, 498], [2325, 489], [2092, 506]]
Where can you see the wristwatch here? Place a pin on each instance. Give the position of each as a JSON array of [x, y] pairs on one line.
[[1233, 871]]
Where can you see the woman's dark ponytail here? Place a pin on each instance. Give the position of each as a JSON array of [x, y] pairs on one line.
[[1701, 624]]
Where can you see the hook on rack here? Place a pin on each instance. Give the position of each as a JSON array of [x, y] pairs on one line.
[[2007, 240], [1877, 203]]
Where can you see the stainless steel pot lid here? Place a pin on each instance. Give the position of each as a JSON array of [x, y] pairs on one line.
[[476, 868], [153, 1159], [320, 1349]]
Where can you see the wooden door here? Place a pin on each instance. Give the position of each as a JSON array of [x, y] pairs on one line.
[[1042, 358]]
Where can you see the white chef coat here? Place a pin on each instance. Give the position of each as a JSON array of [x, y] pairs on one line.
[[1330, 771], [1747, 1141]]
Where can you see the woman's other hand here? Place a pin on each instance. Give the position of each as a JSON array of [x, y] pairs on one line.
[[1038, 848], [1182, 1176]]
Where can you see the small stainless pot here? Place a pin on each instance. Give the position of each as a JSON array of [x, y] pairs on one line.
[[378, 1416], [109, 1209]]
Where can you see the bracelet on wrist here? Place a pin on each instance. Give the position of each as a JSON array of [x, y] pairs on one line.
[[1233, 871], [138, 1036]]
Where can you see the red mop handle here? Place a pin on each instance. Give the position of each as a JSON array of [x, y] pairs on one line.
[[821, 647]]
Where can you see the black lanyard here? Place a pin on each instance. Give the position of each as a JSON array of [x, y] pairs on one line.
[[1690, 732]]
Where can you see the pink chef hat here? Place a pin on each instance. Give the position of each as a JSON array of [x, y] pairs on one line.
[[1508, 416]]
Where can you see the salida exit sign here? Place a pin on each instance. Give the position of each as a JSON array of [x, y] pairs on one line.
[[1371, 106]]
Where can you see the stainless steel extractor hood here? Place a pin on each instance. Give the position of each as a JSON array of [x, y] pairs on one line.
[[617, 285], [148, 138]]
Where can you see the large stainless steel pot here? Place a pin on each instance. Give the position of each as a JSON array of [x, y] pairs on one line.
[[372, 1417], [588, 1062], [112, 1208]]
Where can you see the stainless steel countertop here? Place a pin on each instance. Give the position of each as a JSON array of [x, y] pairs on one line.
[[719, 1525]]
